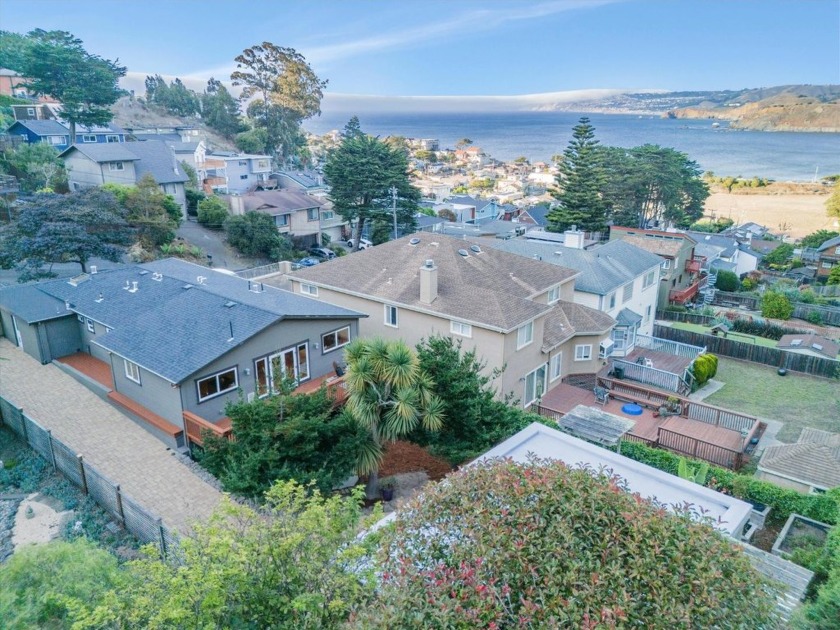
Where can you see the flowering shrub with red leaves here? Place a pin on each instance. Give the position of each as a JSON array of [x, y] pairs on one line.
[[540, 545]]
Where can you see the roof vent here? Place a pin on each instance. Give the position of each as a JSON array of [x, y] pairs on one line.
[[187, 286], [133, 288], [230, 304], [475, 249], [414, 241], [816, 346], [796, 342], [157, 277], [144, 273], [127, 285], [100, 298], [93, 269], [200, 279], [430, 263], [463, 252]]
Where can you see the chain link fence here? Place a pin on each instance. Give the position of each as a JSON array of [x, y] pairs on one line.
[[146, 527]]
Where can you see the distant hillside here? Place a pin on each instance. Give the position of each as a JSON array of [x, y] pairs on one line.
[[133, 113], [786, 108]]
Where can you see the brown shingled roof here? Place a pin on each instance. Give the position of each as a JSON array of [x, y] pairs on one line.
[[489, 287], [278, 201], [661, 246], [814, 459]]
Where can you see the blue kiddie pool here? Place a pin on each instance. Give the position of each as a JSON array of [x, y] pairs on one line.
[[631, 409]]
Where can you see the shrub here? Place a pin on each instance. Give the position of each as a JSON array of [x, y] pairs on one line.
[[776, 305], [748, 284], [820, 507], [727, 281], [823, 613], [704, 368], [255, 234], [537, 544], [761, 328], [814, 317], [194, 197], [212, 212]]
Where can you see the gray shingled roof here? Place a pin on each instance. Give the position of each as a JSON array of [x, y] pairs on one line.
[[42, 127], [103, 152], [279, 201], [603, 269], [568, 319], [490, 288], [172, 330], [832, 242], [157, 160], [626, 317], [727, 244], [814, 459], [30, 304]]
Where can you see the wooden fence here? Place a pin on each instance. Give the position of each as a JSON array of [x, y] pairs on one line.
[[816, 366], [829, 290], [686, 318], [829, 315], [686, 445], [724, 298]]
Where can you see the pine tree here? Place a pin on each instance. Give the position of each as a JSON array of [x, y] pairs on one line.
[[580, 183]]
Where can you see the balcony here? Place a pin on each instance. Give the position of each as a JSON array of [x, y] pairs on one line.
[[214, 182], [694, 265], [681, 296]]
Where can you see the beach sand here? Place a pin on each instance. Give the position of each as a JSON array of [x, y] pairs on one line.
[[801, 214]]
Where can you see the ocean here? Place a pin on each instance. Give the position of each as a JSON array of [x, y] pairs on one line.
[[779, 155]]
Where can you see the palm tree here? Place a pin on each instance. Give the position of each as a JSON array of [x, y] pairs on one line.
[[389, 395]]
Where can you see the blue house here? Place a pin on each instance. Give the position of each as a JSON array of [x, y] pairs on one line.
[[57, 134]]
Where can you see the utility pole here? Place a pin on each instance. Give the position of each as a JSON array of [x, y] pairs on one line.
[[393, 190]]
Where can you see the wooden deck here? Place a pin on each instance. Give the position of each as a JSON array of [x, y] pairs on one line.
[[336, 388], [661, 360], [91, 367], [717, 444]]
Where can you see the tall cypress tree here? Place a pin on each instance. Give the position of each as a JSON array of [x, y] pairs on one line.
[[580, 183]]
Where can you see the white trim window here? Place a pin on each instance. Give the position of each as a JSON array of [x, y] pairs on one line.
[[534, 385], [312, 214], [460, 328], [88, 138], [649, 279], [611, 301], [583, 352], [309, 289], [524, 335], [553, 295], [555, 368], [90, 325], [132, 371], [336, 339], [270, 370], [627, 293], [116, 166], [392, 317], [217, 384], [112, 138], [666, 264]]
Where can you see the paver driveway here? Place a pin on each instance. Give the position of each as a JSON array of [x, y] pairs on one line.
[[109, 441]]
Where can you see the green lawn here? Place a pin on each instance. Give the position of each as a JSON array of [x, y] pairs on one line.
[[796, 400], [759, 341]]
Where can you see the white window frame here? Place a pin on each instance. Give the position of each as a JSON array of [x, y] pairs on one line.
[[283, 220], [90, 325], [627, 293], [337, 344], [112, 138], [460, 328], [392, 316], [30, 111], [538, 392], [611, 301], [827, 265], [309, 289], [553, 295], [555, 368], [326, 215], [837, 251], [666, 264], [649, 279], [116, 166], [312, 214], [524, 335], [57, 139], [88, 137], [302, 372], [132, 371], [583, 352], [218, 391]]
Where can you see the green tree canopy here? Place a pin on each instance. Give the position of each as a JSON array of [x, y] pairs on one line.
[[541, 545], [36, 166], [779, 256], [65, 228], [56, 64], [212, 212], [815, 239], [255, 234], [361, 173], [776, 305], [727, 281], [283, 91], [220, 110], [389, 397], [155, 214], [580, 183], [42, 586]]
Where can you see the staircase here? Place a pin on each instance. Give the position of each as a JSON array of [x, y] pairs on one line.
[[708, 289]]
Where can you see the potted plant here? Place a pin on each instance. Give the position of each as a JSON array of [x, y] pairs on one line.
[[671, 407], [386, 487]]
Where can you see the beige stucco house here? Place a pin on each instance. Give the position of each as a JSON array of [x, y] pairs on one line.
[[810, 465], [515, 311]]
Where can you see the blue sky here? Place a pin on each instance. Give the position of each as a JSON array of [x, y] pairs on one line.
[[467, 47]]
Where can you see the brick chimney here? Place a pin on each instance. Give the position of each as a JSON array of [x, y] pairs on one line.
[[428, 282]]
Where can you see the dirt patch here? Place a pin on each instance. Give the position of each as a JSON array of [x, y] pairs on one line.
[[794, 213], [37, 521], [404, 457]]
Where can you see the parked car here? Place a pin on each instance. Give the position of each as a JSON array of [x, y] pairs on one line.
[[322, 252], [309, 261], [363, 243]]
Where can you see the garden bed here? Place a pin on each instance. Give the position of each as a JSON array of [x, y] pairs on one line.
[[800, 533], [405, 457]]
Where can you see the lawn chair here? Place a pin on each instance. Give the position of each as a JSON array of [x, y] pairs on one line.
[[602, 396]]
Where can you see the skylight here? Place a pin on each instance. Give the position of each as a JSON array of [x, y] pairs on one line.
[[463, 252], [796, 342], [475, 248], [414, 241]]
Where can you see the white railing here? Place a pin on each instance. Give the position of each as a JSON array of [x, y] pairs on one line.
[[651, 376], [669, 347]]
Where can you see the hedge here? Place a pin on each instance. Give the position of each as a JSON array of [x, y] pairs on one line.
[[820, 507]]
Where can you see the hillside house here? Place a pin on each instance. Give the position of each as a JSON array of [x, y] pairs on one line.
[[517, 313], [295, 214], [57, 134], [172, 337], [828, 256]]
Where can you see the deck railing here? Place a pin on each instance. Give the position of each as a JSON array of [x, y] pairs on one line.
[[652, 376], [196, 427], [720, 417], [667, 346], [699, 449]]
